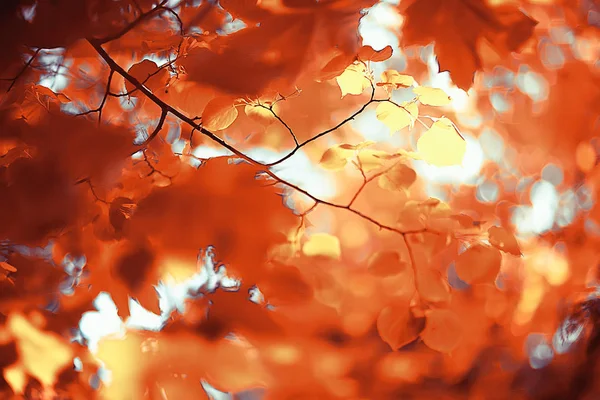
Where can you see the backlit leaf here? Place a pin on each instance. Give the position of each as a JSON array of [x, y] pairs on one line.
[[372, 159], [219, 114], [148, 74], [386, 263], [322, 244], [443, 330], [397, 117], [336, 67], [478, 264], [441, 145], [504, 240], [397, 325], [335, 158], [432, 96], [260, 114], [399, 177], [367, 53], [353, 80], [395, 79], [459, 27]]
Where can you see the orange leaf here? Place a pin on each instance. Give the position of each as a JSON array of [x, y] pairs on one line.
[[443, 330], [148, 74], [397, 325], [367, 53], [479, 263], [457, 26], [432, 286], [503, 240], [335, 67], [260, 114], [219, 114], [399, 177], [386, 263]]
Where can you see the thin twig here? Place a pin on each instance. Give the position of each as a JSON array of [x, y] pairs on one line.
[[103, 102], [166, 109], [22, 71], [161, 122], [133, 24], [324, 133], [270, 109]]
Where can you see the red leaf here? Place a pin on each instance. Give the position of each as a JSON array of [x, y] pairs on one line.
[[367, 53]]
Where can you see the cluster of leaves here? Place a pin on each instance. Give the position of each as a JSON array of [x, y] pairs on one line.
[[379, 291]]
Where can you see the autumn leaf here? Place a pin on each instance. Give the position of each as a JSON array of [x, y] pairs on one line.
[[397, 325], [432, 96], [219, 114], [353, 80], [42, 354], [147, 73], [322, 244], [479, 264], [372, 159], [398, 177], [395, 80], [335, 158], [260, 114], [458, 26], [336, 67], [386, 263], [397, 117], [442, 145], [368, 53], [503, 240], [443, 331]]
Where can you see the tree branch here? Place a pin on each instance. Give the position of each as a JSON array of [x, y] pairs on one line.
[[320, 135], [133, 24], [166, 109], [22, 70]]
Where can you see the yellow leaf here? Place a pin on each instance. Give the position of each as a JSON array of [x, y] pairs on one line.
[[353, 80], [398, 177], [335, 158], [42, 354], [372, 159], [219, 114], [260, 114], [432, 96], [503, 240], [397, 117], [443, 330], [322, 244], [478, 264], [358, 146], [397, 80], [442, 145]]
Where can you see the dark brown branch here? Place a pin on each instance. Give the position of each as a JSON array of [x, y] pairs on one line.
[[89, 182], [270, 109], [161, 122], [324, 133], [103, 102], [133, 24], [166, 108], [153, 170]]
